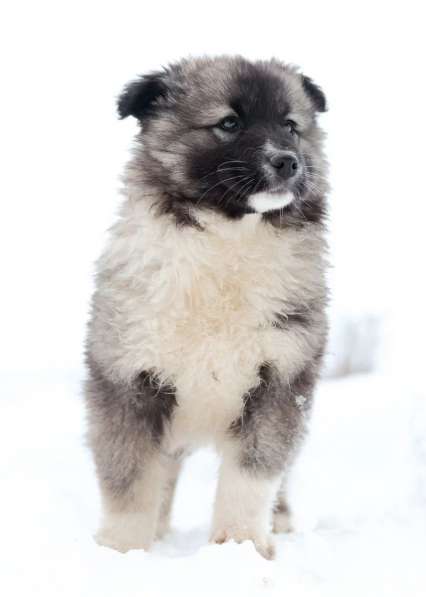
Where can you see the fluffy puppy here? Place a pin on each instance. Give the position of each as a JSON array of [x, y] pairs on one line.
[[208, 320]]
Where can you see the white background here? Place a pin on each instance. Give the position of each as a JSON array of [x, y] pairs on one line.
[[63, 148]]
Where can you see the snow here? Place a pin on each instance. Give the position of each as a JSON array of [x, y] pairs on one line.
[[358, 493]]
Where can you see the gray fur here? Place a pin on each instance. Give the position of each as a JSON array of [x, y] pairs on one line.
[[126, 423], [181, 168], [273, 419]]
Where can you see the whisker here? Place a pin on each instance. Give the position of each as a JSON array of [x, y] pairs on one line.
[[234, 168], [244, 185], [219, 183], [232, 187], [232, 162]]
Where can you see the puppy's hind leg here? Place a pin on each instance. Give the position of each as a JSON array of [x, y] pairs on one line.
[[126, 424], [168, 493], [281, 518]]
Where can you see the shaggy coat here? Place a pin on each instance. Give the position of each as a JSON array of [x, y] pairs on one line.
[[208, 320]]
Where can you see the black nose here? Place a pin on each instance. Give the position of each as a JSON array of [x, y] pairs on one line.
[[285, 164]]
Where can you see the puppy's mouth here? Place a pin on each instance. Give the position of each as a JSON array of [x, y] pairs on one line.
[[269, 197], [271, 200]]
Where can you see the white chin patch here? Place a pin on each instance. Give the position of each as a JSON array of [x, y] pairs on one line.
[[263, 202]]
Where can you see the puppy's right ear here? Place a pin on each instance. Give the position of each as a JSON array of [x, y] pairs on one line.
[[315, 94], [140, 97]]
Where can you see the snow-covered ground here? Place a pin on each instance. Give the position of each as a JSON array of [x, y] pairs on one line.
[[358, 494]]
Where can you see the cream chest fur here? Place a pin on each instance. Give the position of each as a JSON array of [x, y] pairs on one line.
[[198, 307]]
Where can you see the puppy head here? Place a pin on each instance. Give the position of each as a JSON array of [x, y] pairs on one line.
[[230, 135]]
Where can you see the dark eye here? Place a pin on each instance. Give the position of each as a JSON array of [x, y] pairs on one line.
[[230, 124], [291, 126]]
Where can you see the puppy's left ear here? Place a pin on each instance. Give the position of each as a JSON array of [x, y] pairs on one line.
[[140, 97], [315, 94]]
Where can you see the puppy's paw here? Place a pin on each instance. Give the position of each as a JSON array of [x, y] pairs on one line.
[[263, 542], [120, 542], [123, 533]]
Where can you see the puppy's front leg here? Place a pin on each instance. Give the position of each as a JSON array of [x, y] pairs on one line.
[[261, 446], [130, 517], [126, 428], [243, 505]]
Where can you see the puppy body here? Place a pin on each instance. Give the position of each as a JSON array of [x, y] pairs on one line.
[[207, 326]]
